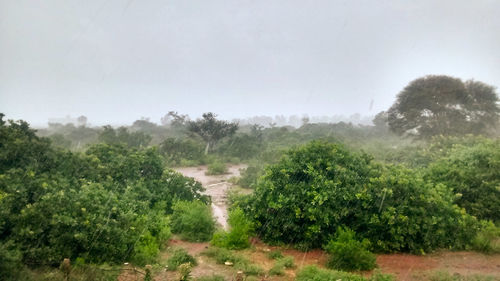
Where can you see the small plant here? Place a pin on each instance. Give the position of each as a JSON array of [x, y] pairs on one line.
[[193, 221], [347, 253], [179, 256], [249, 176], [239, 235], [277, 269], [185, 271], [216, 168], [287, 262], [274, 255], [445, 276]]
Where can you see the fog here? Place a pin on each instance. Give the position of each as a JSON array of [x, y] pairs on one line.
[[118, 61]]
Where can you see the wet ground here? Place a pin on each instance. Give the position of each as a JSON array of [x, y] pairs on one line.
[[216, 187]]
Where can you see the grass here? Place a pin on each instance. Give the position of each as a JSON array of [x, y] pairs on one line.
[[221, 256]]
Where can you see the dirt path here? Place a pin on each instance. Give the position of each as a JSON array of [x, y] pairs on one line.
[[216, 187]]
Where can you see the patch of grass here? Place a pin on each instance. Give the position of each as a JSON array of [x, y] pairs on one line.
[[445, 276], [274, 255], [179, 256], [221, 256], [281, 264], [313, 273], [216, 168]]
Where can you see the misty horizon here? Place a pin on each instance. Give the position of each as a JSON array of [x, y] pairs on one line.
[[119, 61]]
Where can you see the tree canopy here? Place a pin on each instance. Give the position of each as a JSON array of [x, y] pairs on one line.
[[212, 130], [444, 105]]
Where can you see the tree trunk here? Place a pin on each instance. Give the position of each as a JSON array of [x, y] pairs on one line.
[[207, 147]]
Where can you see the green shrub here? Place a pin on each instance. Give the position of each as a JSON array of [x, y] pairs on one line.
[[216, 168], [193, 221], [313, 273], [281, 264], [319, 186], [179, 256], [221, 256], [248, 177], [238, 236], [276, 254], [347, 253], [472, 172], [146, 250], [487, 239]]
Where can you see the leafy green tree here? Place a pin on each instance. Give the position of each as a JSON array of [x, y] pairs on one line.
[[122, 135], [472, 172], [211, 130], [442, 105], [320, 186]]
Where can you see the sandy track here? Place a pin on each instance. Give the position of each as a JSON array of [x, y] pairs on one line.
[[215, 186]]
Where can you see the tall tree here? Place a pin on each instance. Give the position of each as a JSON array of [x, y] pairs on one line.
[[443, 105], [211, 130]]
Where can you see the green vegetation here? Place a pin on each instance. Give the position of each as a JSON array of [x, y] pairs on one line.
[[276, 254], [349, 254], [221, 256], [313, 273], [179, 256], [280, 265], [445, 276], [239, 235], [211, 278], [109, 204], [193, 221], [216, 168], [320, 186]]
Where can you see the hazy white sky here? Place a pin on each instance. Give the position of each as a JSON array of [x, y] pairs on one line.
[[115, 61]]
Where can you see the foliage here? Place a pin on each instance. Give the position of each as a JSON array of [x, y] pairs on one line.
[[179, 256], [276, 254], [310, 191], [487, 239], [349, 254], [320, 186], [442, 105], [193, 221], [176, 150], [240, 230], [216, 168], [281, 264], [122, 135], [249, 176], [472, 172], [221, 256], [313, 273], [185, 272], [108, 204], [211, 130]]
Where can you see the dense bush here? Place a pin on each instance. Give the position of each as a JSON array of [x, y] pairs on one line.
[[320, 186], [313, 273], [179, 256], [193, 221], [347, 253], [108, 204], [487, 239], [239, 234], [248, 177], [179, 151], [473, 172], [216, 168]]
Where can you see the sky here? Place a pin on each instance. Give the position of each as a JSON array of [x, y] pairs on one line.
[[118, 61]]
